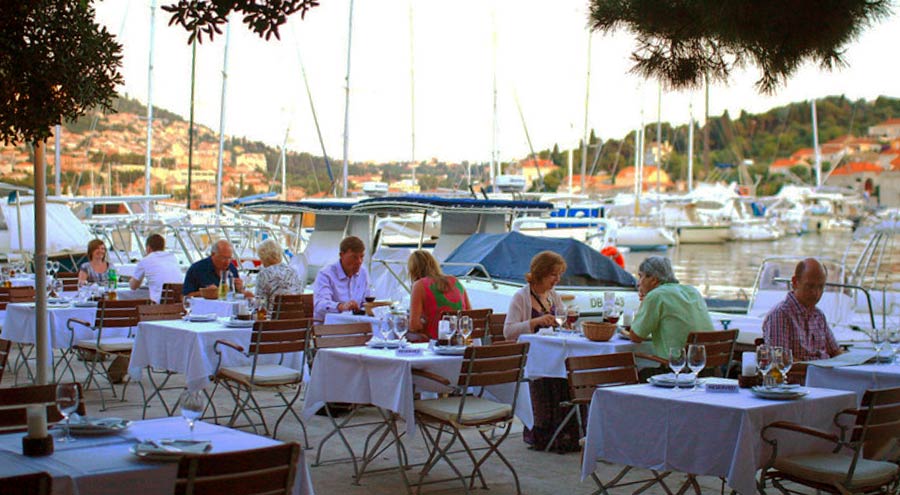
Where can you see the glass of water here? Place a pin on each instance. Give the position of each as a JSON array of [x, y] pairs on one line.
[[67, 399], [192, 405], [677, 362]]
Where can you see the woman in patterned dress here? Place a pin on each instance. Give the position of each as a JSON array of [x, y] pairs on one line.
[[275, 277], [94, 270], [432, 294]]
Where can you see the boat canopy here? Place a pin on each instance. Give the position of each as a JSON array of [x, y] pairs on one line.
[[419, 203], [277, 207], [508, 257]]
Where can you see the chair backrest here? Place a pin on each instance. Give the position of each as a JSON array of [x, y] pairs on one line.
[[69, 280], [31, 484], [341, 335], [5, 345], [14, 400], [279, 336], [292, 306], [21, 294], [493, 365], [878, 417], [797, 373], [268, 470], [171, 294], [586, 373], [480, 320], [118, 314], [157, 312], [4, 297], [495, 327], [719, 346]]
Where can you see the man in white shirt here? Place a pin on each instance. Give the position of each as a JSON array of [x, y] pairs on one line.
[[342, 285], [159, 266]]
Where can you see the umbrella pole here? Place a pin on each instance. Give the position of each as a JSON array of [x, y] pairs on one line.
[[42, 334]]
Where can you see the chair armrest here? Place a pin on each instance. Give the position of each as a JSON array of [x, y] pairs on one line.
[[431, 376], [227, 343], [78, 321], [650, 357], [806, 430]]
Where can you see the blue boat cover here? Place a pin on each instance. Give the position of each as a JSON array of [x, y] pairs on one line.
[[508, 257], [455, 202]]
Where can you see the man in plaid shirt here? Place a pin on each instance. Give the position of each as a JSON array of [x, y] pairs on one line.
[[796, 323]]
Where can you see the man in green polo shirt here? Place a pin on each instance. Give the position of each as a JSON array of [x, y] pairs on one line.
[[669, 311]]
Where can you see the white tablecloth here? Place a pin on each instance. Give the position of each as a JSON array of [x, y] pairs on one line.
[[188, 348], [359, 375], [547, 353], [103, 465], [699, 432], [348, 317], [856, 379], [20, 322], [202, 306]]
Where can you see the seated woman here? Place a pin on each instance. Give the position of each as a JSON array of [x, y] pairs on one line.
[[274, 277], [432, 293], [531, 308], [95, 269]]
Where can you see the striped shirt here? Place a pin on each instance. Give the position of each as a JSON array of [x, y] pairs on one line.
[[804, 331]]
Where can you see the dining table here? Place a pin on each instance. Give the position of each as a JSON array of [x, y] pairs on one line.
[[547, 352], [702, 432], [853, 371], [105, 464]]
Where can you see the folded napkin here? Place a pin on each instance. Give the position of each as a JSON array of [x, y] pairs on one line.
[[173, 447], [853, 357]]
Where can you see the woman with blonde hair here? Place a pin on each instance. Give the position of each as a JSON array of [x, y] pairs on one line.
[[432, 294], [274, 277], [531, 308], [94, 270]]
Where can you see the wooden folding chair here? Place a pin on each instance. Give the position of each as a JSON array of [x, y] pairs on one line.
[[5, 346], [110, 315], [21, 294], [40, 483], [719, 349], [276, 338], [482, 366], [869, 439], [330, 337], [171, 294], [292, 306], [265, 471], [495, 328], [26, 351], [15, 400], [480, 320], [69, 280], [159, 312]]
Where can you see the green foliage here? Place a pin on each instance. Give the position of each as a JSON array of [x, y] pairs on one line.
[[263, 17], [681, 42], [56, 64]]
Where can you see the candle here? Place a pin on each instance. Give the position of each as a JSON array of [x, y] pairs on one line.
[[37, 421], [748, 364]]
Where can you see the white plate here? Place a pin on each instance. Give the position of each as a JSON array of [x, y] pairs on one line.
[[668, 380], [383, 344], [453, 350], [200, 318], [239, 323], [778, 393], [171, 450], [97, 426]]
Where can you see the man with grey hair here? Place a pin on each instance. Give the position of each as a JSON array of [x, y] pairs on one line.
[[208, 272], [669, 311]]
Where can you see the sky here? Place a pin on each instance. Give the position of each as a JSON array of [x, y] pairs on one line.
[[449, 54]]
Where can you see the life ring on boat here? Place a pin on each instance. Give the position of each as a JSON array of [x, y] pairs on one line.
[[612, 252]]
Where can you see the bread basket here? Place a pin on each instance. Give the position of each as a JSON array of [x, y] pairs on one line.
[[598, 331]]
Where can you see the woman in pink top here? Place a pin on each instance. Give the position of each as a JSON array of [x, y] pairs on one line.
[[433, 293]]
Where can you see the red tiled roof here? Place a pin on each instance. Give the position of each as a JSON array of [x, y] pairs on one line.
[[857, 168], [544, 164], [787, 163], [889, 122], [803, 152]]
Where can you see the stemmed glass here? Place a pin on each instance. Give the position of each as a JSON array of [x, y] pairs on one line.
[[465, 328], [67, 402], [192, 404], [696, 361], [453, 326], [764, 362], [560, 314], [787, 361], [676, 362], [571, 316], [725, 324], [401, 326], [877, 337], [893, 337], [186, 303]]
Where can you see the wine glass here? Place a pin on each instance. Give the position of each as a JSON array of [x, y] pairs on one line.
[[696, 361], [67, 402], [186, 303], [893, 337], [370, 293], [764, 362], [58, 287], [725, 323], [401, 326], [560, 314], [877, 337], [676, 362], [465, 328], [452, 320], [192, 404], [787, 361], [571, 315]]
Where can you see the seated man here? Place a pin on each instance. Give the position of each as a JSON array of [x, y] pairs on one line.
[[669, 311], [796, 323], [342, 285], [208, 272], [159, 266]]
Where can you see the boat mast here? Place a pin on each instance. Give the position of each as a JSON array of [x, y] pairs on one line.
[[815, 126], [412, 95], [347, 100], [56, 166], [222, 123], [495, 153], [658, 156], [690, 177], [284, 165], [149, 161], [191, 123], [312, 108], [587, 99]]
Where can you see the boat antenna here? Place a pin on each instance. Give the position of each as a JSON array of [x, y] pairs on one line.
[[149, 160], [347, 100], [495, 153], [534, 157], [222, 123], [587, 99], [412, 95]]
